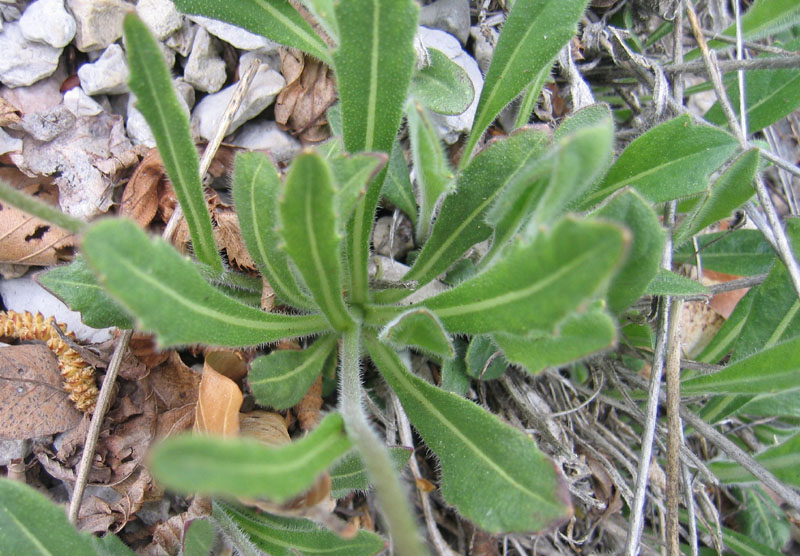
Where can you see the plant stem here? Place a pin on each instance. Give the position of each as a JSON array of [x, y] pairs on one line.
[[391, 496]]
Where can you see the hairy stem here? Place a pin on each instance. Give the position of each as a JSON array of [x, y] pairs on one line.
[[391, 496]]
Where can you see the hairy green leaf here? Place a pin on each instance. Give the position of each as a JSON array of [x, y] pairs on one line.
[[397, 185], [762, 520], [580, 335], [484, 360], [532, 36], [274, 19], [156, 100], [349, 473], [461, 221], [76, 285], [454, 371], [256, 187], [737, 252], [199, 538], [374, 64], [724, 339], [537, 283], [170, 297], [323, 12], [31, 524], [433, 172], [352, 175], [670, 161], [730, 191], [310, 230], [783, 460], [442, 86], [111, 545], [419, 328], [666, 282], [287, 536], [245, 467], [485, 463], [283, 377], [771, 371], [765, 17], [629, 209]]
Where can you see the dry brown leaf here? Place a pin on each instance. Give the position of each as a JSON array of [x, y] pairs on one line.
[[28, 240], [229, 237], [265, 426], [229, 362], [174, 384], [140, 198], [310, 90], [218, 404], [143, 346], [723, 303], [168, 536], [9, 114], [32, 399], [308, 409]]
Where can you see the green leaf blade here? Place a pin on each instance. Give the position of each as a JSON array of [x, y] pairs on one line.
[[156, 100], [349, 473], [537, 283], [256, 187], [169, 296], [274, 19], [419, 328], [205, 464], [484, 462], [532, 36], [310, 230], [442, 86], [782, 460], [283, 377]]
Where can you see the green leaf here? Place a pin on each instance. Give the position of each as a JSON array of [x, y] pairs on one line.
[[310, 228], [745, 546], [169, 296], [454, 371], [156, 100], [667, 282], [374, 64], [765, 17], [256, 186], [485, 463], [418, 328], [323, 12], [111, 545], [199, 538], [532, 36], [461, 221], [434, 175], [484, 361], [670, 161], [31, 524], [771, 371], [724, 339], [76, 285], [629, 209], [579, 336], [283, 377], [349, 473], [730, 191], [442, 86], [286, 536], [782, 460], [537, 283], [245, 467], [763, 520], [737, 252], [352, 175], [397, 185], [770, 95], [274, 19]]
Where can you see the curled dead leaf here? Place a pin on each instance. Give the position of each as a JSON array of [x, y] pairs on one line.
[[308, 408], [218, 404], [140, 197], [310, 90]]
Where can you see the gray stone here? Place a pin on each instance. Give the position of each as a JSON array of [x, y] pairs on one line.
[[108, 75], [181, 40], [167, 53], [207, 114], [484, 46], [269, 57], [81, 104], [9, 144], [49, 124], [448, 15], [236, 36], [184, 90], [450, 128], [205, 68], [48, 22], [14, 449], [23, 62], [138, 130], [99, 22], [160, 16], [267, 136]]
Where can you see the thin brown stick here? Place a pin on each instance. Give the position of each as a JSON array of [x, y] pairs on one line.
[[675, 432]]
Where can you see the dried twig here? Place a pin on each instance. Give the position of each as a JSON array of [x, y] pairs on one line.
[[726, 66]]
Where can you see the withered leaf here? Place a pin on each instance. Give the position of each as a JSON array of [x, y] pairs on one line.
[[310, 90], [229, 236], [140, 198], [9, 114], [218, 404], [175, 384], [32, 399]]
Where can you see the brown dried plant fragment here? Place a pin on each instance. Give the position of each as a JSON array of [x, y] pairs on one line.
[[310, 90], [308, 409], [218, 404], [140, 198], [32, 401], [9, 114], [79, 376]]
